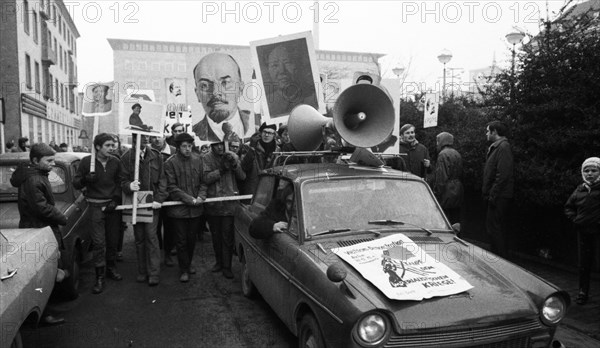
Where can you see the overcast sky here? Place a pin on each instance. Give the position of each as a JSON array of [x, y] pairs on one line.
[[411, 33]]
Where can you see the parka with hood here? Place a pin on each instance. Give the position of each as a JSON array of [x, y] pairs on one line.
[[36, 200], [448, 187]]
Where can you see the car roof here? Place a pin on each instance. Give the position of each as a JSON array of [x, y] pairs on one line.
[[66, 157], [325, 171]]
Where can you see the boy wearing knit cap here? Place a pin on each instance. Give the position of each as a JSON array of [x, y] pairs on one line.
[[583, 209]]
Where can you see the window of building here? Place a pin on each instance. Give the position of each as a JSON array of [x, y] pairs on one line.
[[62, 96], [49, 85], [60, 57], [55, 46], [54, 14], [56, 92], [26, 16], [181, 67], [59, 24], [35, 26], [66, 97], [37, 77], [65, 60], [155, 66], [28, 71]]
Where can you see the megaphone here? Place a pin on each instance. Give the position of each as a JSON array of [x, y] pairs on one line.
[[363, 115]]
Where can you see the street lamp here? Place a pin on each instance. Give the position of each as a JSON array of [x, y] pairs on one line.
[[398, 71], [444, 58], [513, 38]]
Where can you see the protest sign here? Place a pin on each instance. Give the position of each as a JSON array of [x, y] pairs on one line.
[[430, 112], [402, 270]]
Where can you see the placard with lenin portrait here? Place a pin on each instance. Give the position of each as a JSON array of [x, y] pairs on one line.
[[287, 71]]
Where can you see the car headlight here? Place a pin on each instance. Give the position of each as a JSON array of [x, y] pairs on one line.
[[553, 310], [372, 329]]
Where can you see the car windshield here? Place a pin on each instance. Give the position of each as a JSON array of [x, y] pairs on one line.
[[56, 178], [355, 203]]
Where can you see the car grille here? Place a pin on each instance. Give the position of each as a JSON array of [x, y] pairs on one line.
[[503, 336], [345, 243], [416, 239]]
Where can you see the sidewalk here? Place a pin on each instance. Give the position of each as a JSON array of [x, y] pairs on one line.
[[584, 319]]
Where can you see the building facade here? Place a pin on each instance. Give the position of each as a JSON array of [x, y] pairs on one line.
[[161, 66], [38, 59]]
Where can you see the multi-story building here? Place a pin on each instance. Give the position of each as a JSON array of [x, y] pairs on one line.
[[154, 65], [38, 79]]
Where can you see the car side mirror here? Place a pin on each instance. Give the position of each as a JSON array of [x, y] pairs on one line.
[[456, 228], [336, 272]]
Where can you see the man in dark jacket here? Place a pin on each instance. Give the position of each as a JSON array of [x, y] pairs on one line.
[[103, 193], [151, 178], [417, 156], [277, 215], [221, 171], [498, 185], [36, 201], [259, 156], [448, 187], [185, 184]]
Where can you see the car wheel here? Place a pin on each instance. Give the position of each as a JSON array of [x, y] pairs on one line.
[[17, 341], [309, 334], [248, 288], [70, 286]]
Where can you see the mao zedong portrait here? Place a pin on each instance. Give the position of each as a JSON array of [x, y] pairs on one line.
[[100, 104], [288, 81], [219, 88]]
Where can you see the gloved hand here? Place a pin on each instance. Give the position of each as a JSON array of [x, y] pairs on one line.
[[231, 160], [110, 207], [91, 178]]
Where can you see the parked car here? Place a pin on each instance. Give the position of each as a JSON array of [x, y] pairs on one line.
[[76, 233], [327, 302], [28, 267]]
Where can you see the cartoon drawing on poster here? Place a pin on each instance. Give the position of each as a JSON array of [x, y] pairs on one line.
[[287, 70], [219, 88], [176, 94], [430, 113], [141, 116], [98, 99], [401, 269]]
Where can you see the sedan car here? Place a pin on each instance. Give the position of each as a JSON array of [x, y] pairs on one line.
[[344, 219], [28, 266], [76, 233]]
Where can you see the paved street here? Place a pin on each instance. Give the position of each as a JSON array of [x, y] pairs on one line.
[[210, 311]]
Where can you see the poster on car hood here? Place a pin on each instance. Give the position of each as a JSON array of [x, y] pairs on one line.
[[402, 270]]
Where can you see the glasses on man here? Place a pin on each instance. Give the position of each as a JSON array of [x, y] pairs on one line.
[[234, 147]]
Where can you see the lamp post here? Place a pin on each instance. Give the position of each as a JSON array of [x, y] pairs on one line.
[[513, 38], [444, 58]]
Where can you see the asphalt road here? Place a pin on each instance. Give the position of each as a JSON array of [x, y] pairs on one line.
[[209, 311]]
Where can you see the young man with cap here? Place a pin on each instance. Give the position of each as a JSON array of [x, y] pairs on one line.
[[36, 200], [151, 178], [185, 184], [176, 129], [221, 171], [259, 156], [103, 193]]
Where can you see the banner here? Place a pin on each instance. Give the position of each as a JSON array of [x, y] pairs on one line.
[[98, 99], [430, 113], [402, 270], [141, 116]]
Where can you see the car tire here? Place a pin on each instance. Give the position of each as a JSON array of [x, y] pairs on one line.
[[309, 333], [248, 288], [70, 286], [17, 341]]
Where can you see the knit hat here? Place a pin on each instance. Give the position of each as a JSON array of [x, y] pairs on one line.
[[590, 162], [444, 139], [40, 150]]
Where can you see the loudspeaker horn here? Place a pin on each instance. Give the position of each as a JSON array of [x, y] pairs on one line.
[[363, 115], [305, 127]]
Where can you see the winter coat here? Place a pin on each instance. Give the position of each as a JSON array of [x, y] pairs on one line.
[[107, 185], [583, 207], [185, 183], [221, 182], [36, 200], [415, 154], [498, 174], [254, 162], [448, 187], [151, 174], [262, 226]]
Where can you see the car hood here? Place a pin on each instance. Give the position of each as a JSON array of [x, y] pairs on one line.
[[9, 213], [499, 291]]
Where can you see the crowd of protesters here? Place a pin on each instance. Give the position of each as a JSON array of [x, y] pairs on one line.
[[178, 169]]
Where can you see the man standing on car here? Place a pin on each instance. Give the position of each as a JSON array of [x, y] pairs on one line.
[[498, 185], [151, 178], [36, 200], [184, 183], [222, 169], [102, 191]]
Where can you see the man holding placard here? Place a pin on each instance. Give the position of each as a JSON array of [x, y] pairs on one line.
[[151, 178], [103, 193]]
